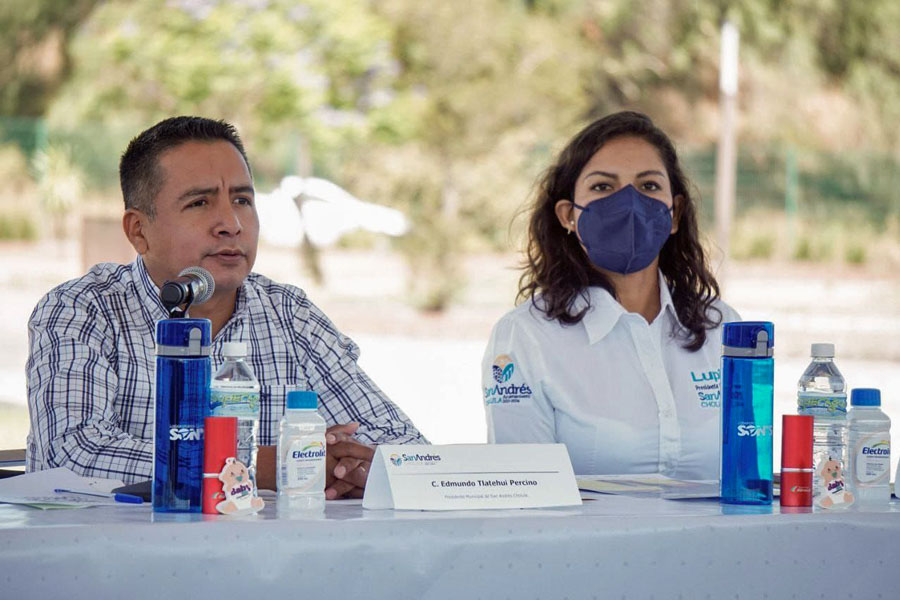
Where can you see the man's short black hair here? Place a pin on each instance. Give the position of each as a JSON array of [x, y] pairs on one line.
[[139, 171]]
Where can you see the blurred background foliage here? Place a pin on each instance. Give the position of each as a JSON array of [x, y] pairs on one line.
[[450, 110]]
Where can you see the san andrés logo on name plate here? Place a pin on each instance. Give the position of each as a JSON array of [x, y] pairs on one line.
[[398, 459]]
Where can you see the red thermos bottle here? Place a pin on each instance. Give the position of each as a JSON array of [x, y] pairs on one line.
[[220, 443], [796, 460]]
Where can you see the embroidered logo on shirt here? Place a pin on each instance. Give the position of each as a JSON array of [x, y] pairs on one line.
[[706, 384], [502, 370]]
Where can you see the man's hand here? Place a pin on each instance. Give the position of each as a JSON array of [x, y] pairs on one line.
[[347, 462]]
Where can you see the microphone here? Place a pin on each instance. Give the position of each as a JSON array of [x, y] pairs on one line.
[[194, 285]]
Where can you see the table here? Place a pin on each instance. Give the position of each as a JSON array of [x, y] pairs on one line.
[[613, 547]]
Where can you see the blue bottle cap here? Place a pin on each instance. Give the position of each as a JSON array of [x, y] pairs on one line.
[[183, 337], [302, 400], [754, 339], [865, 397]]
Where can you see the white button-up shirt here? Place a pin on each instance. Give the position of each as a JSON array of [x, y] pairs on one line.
[[622, 394]]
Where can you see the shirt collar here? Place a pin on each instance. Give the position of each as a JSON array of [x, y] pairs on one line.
[[605, 311], [150, 290]]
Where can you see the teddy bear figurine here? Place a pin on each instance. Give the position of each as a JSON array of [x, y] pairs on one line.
[[239, 490], [834, 493]]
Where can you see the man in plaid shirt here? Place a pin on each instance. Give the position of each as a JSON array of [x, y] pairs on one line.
[[189, 201]]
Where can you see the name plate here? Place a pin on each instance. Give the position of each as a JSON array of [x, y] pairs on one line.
[[471, 476]]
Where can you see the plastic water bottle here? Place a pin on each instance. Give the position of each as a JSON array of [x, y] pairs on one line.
[[234, 392], [822, 394], [301, 455], [747, 412], [870, 448]]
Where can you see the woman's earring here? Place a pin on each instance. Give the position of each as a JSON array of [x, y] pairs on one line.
[[571, 227]]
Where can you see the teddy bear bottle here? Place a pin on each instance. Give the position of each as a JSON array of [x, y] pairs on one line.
[[234, 392], [822, 394], [301, 455]]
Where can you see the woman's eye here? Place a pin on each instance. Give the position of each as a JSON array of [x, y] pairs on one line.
[[601, 187], [652, 186]]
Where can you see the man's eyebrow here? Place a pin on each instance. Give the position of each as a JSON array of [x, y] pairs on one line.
[[211, 191], [242, 189], [198, 192]]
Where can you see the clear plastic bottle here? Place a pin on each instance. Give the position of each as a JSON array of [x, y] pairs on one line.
[[301, 455], [234, 392], [822, 394], [870, 449]]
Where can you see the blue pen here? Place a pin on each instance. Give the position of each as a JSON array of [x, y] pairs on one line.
[[117, 497]]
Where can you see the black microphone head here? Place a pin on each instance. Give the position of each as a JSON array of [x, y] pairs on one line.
[[207, 285], [173, 294]]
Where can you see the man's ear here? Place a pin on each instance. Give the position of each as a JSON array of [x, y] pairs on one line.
[[677, 211], [565, 212], [133, 223]]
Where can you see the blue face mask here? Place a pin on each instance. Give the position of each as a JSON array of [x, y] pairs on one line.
[[624, 231]]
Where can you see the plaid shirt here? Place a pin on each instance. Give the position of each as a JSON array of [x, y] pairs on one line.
[[91, 370]]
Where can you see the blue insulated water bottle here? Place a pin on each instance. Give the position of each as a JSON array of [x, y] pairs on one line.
[[747, 406], [182, 403]]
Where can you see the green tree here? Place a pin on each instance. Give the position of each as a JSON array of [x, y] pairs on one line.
[[34, 51], [481, 92]]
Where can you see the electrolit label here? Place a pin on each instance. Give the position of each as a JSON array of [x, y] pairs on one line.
[[304, 464], [233, 403], [873, 459], [811, 403]]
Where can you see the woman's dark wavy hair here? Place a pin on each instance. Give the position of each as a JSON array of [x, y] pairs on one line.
[[556, 267]]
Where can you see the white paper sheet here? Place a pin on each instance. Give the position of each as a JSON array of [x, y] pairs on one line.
[[36, 489]]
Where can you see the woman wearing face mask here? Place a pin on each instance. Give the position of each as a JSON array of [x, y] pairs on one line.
[[615, 347]]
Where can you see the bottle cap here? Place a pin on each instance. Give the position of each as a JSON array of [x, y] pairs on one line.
[[865, 397], [822, 351], [234, 349], [219, 442], [302, 400], [184, 338], [797, 442], [752, 339]]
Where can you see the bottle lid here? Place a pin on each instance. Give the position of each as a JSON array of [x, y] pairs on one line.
[[822, 351], [302, 400], [865, 397], [797, 442], [234, 349], [751, 339], [219, 442]]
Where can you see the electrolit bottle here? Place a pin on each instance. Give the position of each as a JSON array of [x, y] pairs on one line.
[[747, 412], [869, 463], [821, 394], [301, 455], [234, 392], [182, 405]]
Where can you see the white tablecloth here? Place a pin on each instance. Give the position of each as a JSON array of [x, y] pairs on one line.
[[613, 547]]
